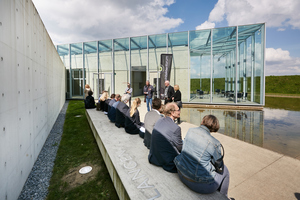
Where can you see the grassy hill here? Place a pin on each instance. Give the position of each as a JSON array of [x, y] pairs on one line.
[[274, 84]]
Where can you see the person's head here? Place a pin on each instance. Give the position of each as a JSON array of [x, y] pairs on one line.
[[87, 86], [134, 106], [125, 98], [104, 96], [112, 96], [211, 122], [172, 110], [176, 87], [128, 85], [147, 83], [156, 103], [90, 93], [117, 97], [167, 83]]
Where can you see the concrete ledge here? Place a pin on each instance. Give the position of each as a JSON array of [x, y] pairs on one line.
[[126, 159]]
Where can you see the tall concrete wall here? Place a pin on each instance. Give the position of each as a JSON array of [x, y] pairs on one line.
[[32, 92]]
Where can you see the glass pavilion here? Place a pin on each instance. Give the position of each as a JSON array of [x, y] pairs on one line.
[[213, 66]]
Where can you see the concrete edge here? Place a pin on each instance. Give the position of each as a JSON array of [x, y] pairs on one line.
[[121, 191]]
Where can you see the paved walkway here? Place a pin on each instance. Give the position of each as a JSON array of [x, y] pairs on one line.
[[256, 173]]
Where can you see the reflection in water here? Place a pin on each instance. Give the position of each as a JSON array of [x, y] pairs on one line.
[[274, 129]]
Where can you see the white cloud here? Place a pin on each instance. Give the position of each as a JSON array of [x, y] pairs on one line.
[[279, 62], [206, 25], [76, 21], [276, 13]]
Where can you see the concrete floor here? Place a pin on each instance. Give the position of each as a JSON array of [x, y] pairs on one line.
[[255, 173]]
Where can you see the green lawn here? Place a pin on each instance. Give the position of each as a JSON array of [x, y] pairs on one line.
[[78, 147]]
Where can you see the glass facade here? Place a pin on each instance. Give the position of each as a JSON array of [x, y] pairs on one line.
[[213, 66]]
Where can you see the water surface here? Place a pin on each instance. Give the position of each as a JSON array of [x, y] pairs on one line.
[[276, 127]]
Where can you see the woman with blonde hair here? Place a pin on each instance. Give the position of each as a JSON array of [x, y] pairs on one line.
[[86, 90], [132, 119], [102, 100]]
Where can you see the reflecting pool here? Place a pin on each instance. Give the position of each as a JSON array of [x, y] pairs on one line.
[[276, 127]]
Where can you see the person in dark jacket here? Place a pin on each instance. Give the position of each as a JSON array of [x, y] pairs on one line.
[[121, 111], [150, 119], [89, 101], [112, 112], [148, 92], [132, 119], [111, 102], [177, 99], [166, 140], [169, 92]]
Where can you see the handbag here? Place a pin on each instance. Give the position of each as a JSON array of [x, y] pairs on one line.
[[219, 164]]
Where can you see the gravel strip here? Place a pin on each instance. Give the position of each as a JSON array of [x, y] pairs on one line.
[[37, 183]]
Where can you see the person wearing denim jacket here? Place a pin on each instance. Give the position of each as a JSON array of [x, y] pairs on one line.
[[197, 161]]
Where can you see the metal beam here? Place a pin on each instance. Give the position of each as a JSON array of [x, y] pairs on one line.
[[118, 43], [208, 37], [152, 42], [102, 44], [134, 42]]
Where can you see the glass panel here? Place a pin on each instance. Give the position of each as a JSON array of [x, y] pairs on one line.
[[200, 47], [224, 50], [139, 64], [63, 52], [178, 46], [121, 63], [90, 63]]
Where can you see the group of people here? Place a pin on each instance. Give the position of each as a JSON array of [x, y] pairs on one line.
[[198, 159]]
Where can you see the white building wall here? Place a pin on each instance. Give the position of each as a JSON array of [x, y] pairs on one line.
[[32, 92]]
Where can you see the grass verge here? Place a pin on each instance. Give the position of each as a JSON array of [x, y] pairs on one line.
[[78, 147]]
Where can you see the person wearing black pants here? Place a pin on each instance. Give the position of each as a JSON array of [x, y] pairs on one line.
[[169, 92], [177, 99]]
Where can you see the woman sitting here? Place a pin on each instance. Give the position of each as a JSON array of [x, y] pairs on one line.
[[89, 101], [200, 165], [102, 100], [132, 119]]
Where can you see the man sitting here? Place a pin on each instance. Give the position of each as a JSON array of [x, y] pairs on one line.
[[121, 111], [150, 119], [89, 101], [112, 112], [166, 140], [111, 102]]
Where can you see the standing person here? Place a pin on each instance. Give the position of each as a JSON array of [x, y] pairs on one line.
[[128, 91], [200, 165], [169, 92], [177, 99], [86, 90], [148, 92], [166, 140]]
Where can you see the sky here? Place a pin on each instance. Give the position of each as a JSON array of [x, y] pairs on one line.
[[72, 21]]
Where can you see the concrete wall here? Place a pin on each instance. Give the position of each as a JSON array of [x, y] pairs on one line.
[[32, 92]]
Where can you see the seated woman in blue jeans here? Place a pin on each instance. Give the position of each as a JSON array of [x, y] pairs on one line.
[[200, 165]]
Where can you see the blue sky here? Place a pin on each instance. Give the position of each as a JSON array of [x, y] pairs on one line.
[[72, 21]]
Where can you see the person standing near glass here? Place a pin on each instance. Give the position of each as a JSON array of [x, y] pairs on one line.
[[148, 92], [177, 99], [128, 91], [169, 92]]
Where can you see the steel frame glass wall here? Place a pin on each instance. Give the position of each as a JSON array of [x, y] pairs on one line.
[[213, 66]]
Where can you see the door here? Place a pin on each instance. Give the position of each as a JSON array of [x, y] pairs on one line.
[[102, 81], [155, 81]]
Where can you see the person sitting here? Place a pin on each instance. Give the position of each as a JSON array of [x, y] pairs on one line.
[[121, 111], [89, 101], [132, 119], [166, 141], [102, 100], [150, 119], [111, 102], [200, 165], [112, 112]]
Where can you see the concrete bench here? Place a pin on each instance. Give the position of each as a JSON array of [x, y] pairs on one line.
[[126, 159]]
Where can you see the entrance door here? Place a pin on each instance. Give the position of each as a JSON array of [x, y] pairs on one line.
[[155, 81], [138, 82], [102, 81], [77, 83]]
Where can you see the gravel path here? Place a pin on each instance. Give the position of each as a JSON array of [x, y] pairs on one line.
[[36, 186]]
